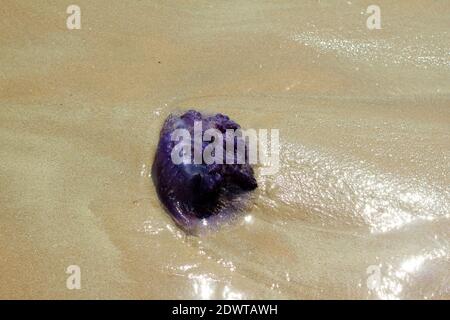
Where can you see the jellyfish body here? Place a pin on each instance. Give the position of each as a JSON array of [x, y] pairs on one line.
[[198, 194]]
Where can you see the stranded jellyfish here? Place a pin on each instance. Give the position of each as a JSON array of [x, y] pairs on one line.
[[201, 169]]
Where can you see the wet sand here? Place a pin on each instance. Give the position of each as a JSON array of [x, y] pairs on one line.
[[364, 120]]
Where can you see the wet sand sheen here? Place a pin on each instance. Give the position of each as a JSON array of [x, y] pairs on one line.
[[365, 143]]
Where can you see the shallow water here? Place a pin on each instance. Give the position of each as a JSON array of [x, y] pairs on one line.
[[364, 120]]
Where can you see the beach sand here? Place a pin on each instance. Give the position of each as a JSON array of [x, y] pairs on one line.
[[363, 190]]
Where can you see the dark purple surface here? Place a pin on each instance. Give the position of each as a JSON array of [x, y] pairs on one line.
[[195, 194]]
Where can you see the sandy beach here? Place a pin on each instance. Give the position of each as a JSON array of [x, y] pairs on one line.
[[364, 119]]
